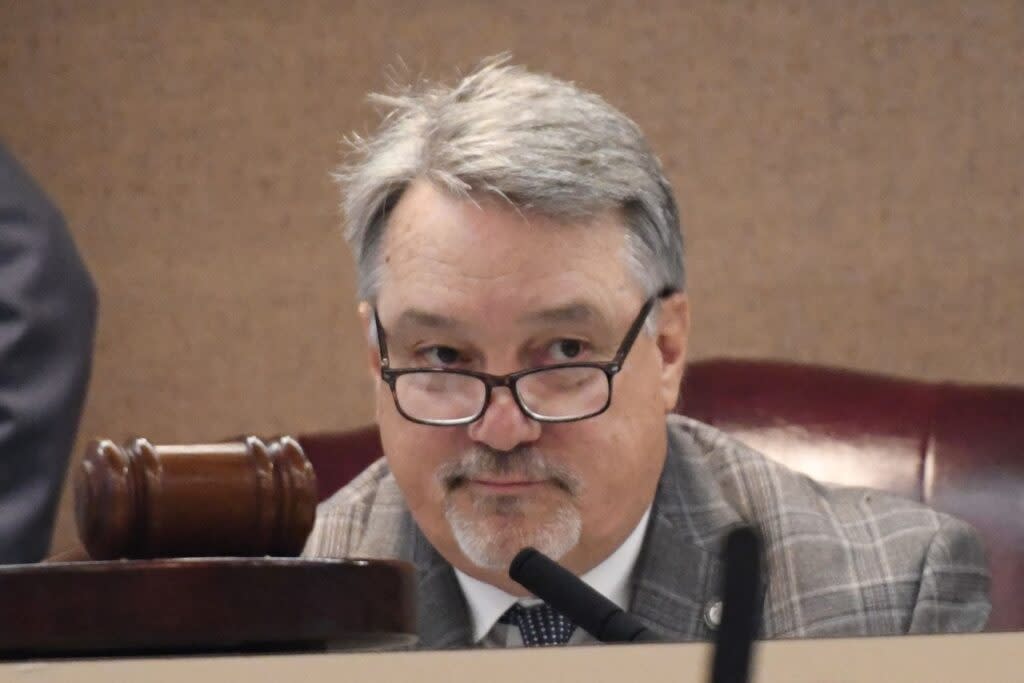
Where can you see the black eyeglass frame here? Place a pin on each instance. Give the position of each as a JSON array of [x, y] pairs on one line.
[[610, 369]]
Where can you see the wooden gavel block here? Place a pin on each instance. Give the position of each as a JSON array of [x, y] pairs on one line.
[[218, 509], [243, 499]]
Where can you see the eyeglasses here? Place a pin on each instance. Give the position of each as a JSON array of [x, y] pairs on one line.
[[564, 392]]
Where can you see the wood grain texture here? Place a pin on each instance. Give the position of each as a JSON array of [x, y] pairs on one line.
[[205, 605], [849, 176]]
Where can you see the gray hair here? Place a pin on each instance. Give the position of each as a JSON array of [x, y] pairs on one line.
[[540, 143]]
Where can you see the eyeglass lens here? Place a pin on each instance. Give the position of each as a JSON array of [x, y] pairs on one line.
[[556, 393]]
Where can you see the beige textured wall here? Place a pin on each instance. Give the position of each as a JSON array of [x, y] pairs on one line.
[[850, 175]]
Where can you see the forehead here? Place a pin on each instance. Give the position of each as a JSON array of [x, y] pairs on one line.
[[484, 256]]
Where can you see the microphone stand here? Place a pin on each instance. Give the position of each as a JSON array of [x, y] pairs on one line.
[[603, 619], [741, 606]]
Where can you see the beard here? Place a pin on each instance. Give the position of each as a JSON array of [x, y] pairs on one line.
[[491, 529]]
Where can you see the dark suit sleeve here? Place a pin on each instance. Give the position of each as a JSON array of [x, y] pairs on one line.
[[47, 321], [953, 596]]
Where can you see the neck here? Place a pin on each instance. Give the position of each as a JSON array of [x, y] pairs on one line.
[[576, 561], [580, 560], [497, 578]]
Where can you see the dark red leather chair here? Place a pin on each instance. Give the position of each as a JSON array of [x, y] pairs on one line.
[[957, 448]]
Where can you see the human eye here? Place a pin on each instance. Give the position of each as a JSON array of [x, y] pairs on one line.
[[566, 350], [439, 356]]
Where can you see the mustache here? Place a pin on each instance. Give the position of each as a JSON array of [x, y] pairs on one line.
[[526, 462]]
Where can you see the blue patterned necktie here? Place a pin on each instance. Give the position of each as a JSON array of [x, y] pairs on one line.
[[540, 625]]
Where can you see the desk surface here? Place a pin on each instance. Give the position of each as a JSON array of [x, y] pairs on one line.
[[910, 659]]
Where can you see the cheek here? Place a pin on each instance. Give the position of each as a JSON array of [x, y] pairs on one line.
[[638, 386], [414, 454], [619, 454], [613, 455]]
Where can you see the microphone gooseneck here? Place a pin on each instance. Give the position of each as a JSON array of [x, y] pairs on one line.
[[581, 604]]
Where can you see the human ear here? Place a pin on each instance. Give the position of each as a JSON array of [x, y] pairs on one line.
[[672, 338], [366, 320]]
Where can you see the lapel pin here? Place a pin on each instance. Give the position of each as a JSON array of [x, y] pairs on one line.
[[713, 614]]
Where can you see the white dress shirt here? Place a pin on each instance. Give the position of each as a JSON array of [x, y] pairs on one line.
[[610, 578]]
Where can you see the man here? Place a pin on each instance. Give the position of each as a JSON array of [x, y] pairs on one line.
[[522, 286], [47, 319]]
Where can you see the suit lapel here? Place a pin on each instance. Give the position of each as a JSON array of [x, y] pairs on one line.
[[442, 613], [390, 531], [678, 574]]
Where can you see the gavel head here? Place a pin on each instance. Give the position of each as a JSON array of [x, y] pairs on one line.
[[243, 499]]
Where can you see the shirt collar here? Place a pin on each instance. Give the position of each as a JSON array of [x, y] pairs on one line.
[[610, 578]]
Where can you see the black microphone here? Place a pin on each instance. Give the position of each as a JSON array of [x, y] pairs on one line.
[[741, 607], [581, 604]]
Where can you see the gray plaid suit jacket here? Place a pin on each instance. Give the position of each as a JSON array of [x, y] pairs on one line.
[[839, 561]]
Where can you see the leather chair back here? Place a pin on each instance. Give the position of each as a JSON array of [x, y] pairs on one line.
[[957, 448]]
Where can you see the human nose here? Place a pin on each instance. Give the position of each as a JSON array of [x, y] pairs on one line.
[[504, 425]]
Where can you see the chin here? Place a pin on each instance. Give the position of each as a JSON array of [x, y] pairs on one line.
[[490, 533]]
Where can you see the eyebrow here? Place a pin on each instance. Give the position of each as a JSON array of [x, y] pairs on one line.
[[573, 312], [576, 311], [414, 317]]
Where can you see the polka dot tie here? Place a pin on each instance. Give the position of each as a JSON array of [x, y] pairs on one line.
[[540, 625]]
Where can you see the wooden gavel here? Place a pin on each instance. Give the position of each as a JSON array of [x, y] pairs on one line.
[[245, 499]]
